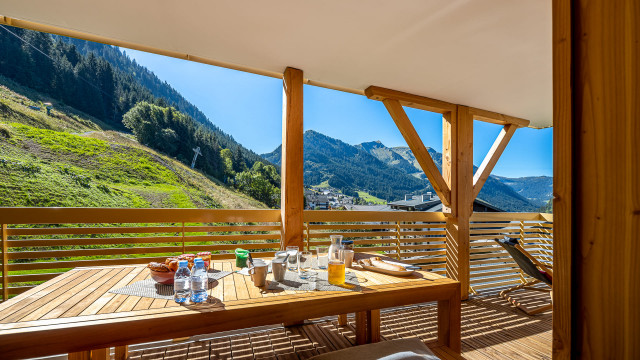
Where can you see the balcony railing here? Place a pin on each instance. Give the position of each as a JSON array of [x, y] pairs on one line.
[[39, 244]]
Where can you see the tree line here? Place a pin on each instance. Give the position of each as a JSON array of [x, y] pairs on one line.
[[111, 89], [158, 88], [176, 134]]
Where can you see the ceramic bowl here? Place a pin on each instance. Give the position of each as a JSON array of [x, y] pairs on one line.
[[163, 277]]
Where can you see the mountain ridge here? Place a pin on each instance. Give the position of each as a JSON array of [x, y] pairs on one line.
[[346, 169], [535, 189], [350, 169]]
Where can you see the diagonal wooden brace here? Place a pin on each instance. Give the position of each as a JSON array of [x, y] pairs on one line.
[[489, 162], [419, 150]]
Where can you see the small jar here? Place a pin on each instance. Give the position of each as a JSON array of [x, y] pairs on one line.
[[206, 257], [347, 244]]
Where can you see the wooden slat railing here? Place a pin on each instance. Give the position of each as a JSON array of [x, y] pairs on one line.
[[414, 237], [490, 265], [40, 243], [419, 238]]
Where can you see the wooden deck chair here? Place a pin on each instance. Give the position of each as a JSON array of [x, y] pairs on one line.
[[540, 272]]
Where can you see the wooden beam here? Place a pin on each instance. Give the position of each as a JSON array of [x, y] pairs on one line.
[[30, 25], [419, 150], [605, 159], [457, 223], [414, 101], [450, 160], [490, 160], [439, 106], [497, 118], [562, 180], [292, 190]]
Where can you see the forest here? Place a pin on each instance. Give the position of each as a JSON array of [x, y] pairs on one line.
[[101, 81]]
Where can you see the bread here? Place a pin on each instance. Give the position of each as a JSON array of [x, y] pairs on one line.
[[173, 265], [377, 262], [155, 266]]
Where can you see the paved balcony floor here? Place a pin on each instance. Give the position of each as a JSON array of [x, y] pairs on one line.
[[492, 329]]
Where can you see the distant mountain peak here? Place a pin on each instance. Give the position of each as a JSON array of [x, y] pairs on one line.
[[371, 145]]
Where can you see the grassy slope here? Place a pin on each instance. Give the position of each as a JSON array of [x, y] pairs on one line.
[[370, 198], [69, 159]]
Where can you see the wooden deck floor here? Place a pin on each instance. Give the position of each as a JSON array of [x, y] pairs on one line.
[[491, 330]]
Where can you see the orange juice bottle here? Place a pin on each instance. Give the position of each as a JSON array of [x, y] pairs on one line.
[[336, 272]]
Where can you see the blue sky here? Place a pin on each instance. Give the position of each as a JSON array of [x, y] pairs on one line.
[[249, 107]]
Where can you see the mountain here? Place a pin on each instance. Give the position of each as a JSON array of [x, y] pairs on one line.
[[350, 169], [389, 156], [494, 191], [67, 159], [386, 173], [99, 80], [521, 194], [537, 189]]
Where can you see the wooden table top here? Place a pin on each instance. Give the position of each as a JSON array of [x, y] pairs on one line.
[[79, 300]]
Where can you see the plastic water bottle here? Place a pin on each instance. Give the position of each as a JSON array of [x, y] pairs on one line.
[[199, 282], [182, 282]]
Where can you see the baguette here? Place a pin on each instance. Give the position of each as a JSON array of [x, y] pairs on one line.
[[377, 262]]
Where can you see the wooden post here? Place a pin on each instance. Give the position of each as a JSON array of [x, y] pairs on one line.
[[562, 179], [292, 189], [449, 322], [183, 245], [597, 205], [306, 236], [5, 264], [81, 355], [398, 243], [457, 170], [361, 327], [121, 352], [101, 354], [373, 326]]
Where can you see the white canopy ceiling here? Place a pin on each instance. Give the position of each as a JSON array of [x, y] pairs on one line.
[[490, 54]]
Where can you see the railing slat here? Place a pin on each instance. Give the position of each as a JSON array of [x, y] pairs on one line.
[[129, 216], [415, 237]]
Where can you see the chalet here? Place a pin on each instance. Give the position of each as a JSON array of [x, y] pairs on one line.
[[421, 203]]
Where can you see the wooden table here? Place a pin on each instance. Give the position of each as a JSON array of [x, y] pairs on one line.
[[74, 312]]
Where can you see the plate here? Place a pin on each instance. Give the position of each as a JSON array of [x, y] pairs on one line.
[[388, 272]]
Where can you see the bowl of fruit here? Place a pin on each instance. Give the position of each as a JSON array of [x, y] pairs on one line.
[[163, 273]]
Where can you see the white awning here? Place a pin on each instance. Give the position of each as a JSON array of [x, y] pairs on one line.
[[490, 54]]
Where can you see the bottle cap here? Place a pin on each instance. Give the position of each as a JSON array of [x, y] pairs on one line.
[[198, 260], [183, 263]]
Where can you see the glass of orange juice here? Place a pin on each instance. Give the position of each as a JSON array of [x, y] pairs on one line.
[[336, 272]]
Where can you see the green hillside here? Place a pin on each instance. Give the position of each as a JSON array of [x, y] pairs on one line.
[[68, 158]]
